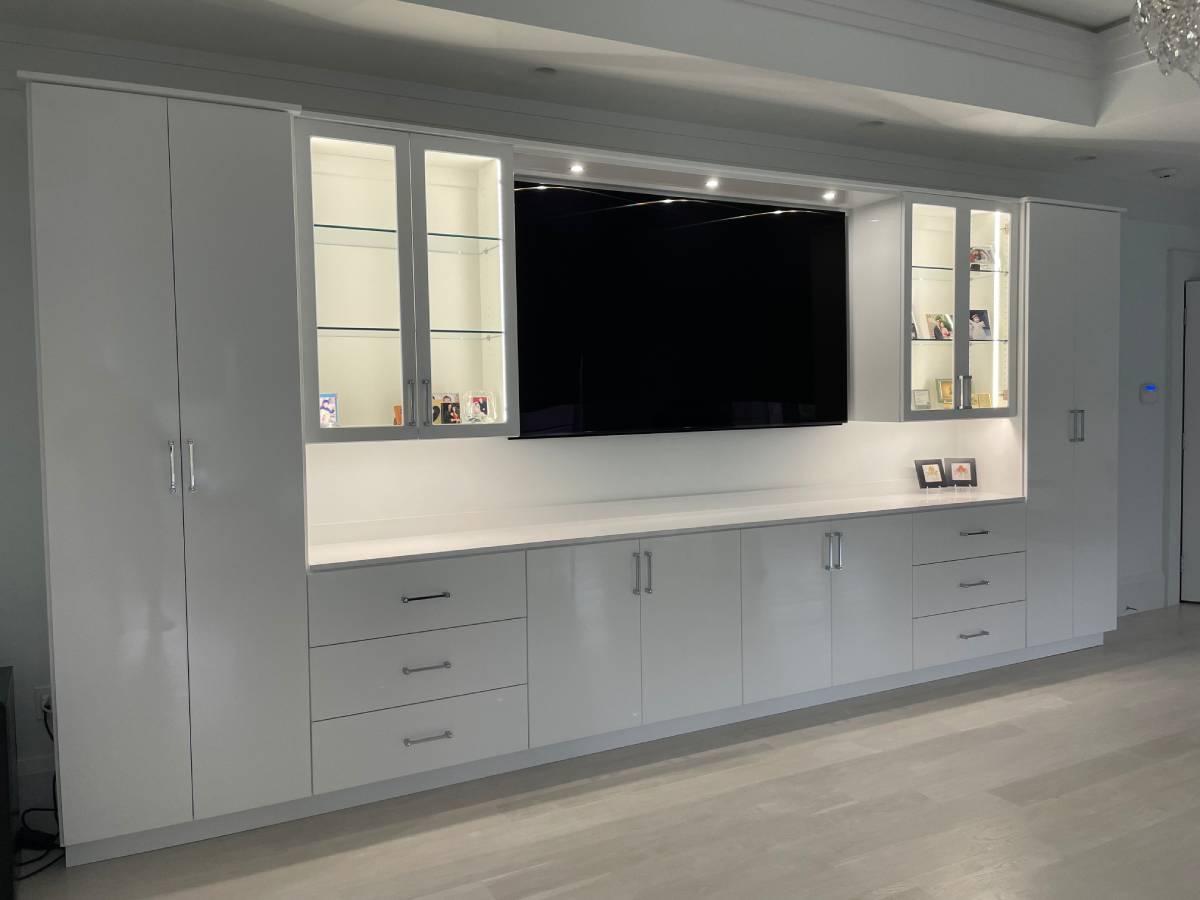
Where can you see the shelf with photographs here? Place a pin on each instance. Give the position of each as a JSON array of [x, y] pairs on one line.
[[410, 276]]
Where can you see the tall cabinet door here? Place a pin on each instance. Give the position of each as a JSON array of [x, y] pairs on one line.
[[243, 472], [110, 437], [585, 641], [691, 624], [1096, 295], [1052, 275], [785, 610]]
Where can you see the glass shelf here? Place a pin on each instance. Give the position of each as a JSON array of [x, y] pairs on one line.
[[462, 244], [354, 236], [934, 268], [355, 328], [468, 334]]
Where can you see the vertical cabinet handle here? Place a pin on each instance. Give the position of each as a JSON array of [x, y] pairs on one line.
[[964, 392], [428, 392], [637, 574], [1082, 425], [410, 401], [841, 560], [829, 551], [649, 572], [191, 448], [171, 460], [1076, 426]]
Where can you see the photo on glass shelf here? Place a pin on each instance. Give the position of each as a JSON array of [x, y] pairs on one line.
[[446, 408], [930, 473], [328, 407], [921, 399], [979, 326], [480, 407], [981, 400], [962, 473], [941, 326], [945, 392]]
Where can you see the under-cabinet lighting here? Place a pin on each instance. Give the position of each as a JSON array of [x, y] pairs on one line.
[[576, 168], [712, 183], [829, 195]]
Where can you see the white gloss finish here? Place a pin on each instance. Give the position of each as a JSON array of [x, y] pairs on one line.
[[872, 598], [370, 747], [691, 624], [368, 675], [956, 636], [585, 641], [368, 602], [965, 533], [951, 586], [235, 288], [786, 611], [109, 405]]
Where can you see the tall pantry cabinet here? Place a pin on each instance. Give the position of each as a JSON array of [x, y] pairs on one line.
[[172, 462]]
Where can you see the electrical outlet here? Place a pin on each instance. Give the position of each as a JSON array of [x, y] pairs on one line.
[[41, 699]]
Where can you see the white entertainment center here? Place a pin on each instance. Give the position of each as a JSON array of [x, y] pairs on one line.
[[256, 618]]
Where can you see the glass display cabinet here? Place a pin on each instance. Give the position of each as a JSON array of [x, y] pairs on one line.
[[407, 285], [959, 260]]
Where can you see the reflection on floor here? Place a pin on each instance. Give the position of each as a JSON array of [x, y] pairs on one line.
[[1072, 777]]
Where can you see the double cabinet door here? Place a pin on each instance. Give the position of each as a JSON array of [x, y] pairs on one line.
[[626, 633], [407, 281]]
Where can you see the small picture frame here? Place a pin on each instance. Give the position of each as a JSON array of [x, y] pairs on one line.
[[930, 473], [327, 409], [447, 410], [979, 326], [480, 407], [981, 401], [941, 326], [945, 392], [962, 472], [921, 399]]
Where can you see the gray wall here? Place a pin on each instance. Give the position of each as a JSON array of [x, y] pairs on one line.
[[1159, 219]]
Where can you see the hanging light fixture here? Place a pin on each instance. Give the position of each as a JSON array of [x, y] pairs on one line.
[[1170, 29]]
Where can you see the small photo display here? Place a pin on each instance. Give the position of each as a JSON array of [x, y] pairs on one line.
[[328, 408], [921, 399], [941, 326], [982, 259], [930, 473], [397, 414], [962, 473], [979, 326], [481, 407], [981, 401], [447, 410], [945, 392]]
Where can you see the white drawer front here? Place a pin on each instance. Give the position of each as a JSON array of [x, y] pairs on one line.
[[969, 634], [945, 534], [412, 668], [378, 601], [371, 747], [968, 584]]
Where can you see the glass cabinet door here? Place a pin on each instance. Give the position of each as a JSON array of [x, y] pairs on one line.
[[462, 221], [363, 383], [989, 317], [933, 328]]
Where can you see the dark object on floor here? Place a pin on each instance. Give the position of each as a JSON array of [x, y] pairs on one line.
[[9, 805]]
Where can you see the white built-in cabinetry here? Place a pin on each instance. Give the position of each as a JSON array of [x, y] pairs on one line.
[[1073, 289], [172, 461]]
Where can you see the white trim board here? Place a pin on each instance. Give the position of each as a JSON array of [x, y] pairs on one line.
[[188, 832], [129, 87]]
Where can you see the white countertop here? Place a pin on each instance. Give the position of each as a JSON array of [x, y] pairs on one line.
[[397, 540]]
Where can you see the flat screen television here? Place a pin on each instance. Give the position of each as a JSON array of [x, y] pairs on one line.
[[642, 313]]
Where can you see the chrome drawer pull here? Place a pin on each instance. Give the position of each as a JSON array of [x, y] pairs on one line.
[[444, 595], [982, 632], [983, 582], [409, 671], [171, 460], [444, 736], [973, 533]]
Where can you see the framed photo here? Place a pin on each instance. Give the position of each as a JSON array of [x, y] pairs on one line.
[[921, 399], [962, 473], [920, 329], [328, 407], [981, 401], [480, 407], [941, 326], [979, 326], [930, 473], [447, 410], [945, 392]]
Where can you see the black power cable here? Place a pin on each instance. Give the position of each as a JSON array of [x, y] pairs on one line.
[[50, 809]]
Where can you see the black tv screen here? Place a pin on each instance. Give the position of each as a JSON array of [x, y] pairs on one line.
[[654, 313]]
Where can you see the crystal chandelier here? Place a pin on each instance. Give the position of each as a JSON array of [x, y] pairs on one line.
[[1170, 29]]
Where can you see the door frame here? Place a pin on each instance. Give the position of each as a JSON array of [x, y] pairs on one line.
[[1182, 266]]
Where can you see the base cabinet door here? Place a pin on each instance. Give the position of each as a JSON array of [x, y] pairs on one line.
[[786, 613], [872, 598], [691, 624], [585, 644]]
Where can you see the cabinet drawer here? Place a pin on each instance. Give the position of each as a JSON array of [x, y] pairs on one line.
[[378, 601], [372, 747], [412, 668], [968, 634], [968, 584], [945, 534]]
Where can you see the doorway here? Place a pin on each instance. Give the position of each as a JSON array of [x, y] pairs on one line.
[[1189, 538]]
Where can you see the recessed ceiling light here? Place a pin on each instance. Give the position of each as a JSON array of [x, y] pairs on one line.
[[669, 200], [576, 168], [872, 123], [713, 183], [1164, 173], [1086, 157], [546, 70], [543, 187], [829, 196]]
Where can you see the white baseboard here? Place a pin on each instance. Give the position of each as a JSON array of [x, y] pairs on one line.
[[1141, 592], [188, 832]]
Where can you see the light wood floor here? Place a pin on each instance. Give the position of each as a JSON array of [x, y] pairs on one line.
[[1075, 777]]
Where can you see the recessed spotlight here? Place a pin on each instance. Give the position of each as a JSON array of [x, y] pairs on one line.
[[777, 212], [1164, 173], [545, 70], [1086, 157], [543, 187], [713, 183], [576, 168], [829, 196], [872, 123]]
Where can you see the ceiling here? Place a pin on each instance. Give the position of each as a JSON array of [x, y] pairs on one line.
[[1093, 15]]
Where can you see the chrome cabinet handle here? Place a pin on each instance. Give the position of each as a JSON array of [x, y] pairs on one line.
[[964, 391], [649, 572], [637, 574], [1082, 425], [428, 392], [444, 595], [191, 448], [444, 736], [841, 558], [1076, 426], [410, 400], [982, 632], [983, 582], [412, 670], [171, 459], [829, 551], [978, 533]]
